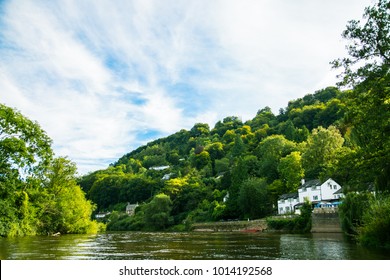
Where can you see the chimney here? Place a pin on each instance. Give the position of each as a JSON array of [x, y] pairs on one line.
[[303, 181]]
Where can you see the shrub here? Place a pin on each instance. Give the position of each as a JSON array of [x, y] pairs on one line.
[[375, 228]]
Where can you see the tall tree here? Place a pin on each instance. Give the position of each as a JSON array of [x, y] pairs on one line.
[[67, 210], [158, 212], [254, 201], [321, 150], [291, 171], [25, 153], [368, 46], [270, 151], [366, 68]]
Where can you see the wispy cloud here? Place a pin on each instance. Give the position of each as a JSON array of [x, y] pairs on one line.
[[103, 77]]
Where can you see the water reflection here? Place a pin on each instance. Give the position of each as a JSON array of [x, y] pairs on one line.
[[316, 246], [186, 246]]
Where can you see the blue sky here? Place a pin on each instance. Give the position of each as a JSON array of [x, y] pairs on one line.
[[104, 77]]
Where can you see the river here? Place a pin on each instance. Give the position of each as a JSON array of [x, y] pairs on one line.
[[187, 246]]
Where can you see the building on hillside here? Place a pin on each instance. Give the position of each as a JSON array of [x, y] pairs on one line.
[[130, 208], [167, 176], [102, 215], [318, 193], [159, 168]]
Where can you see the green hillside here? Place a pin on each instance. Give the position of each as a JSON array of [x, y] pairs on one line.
[[236, 169]]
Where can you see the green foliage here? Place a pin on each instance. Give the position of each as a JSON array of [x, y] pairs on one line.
[[200, 129], [366, 68], [269, 152], [158, 212], [321, 150], [119, 221], [253, 199], [23, 144], [299, 224], [291, 171], [67, 210], [376, 224], [263, 117], [38, 194], [352, 209], [368, 42]]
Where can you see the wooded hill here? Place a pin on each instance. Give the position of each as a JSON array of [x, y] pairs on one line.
[[233, 170]]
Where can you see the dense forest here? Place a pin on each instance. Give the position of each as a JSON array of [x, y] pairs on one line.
[[234, 170]]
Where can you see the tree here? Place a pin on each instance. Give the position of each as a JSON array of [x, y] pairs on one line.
[[270, 151], [263, 116], [24, 146], [38, 195], [200, 129], [238, 148], [239, 174], [202, 159], [352, 211], [291, 171], [254, 200], [368, 46], [366, 68], [321, 150], [67, 210], [376, 224], [228, 123], [25, 153], [158, 212]]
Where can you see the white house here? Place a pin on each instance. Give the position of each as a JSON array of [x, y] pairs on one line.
[[314, 191], [130, 208], [287, 202]]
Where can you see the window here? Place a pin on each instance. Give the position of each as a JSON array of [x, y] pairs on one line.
[[335, 187], [315, 197]]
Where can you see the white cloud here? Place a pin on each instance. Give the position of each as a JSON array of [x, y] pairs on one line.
[[98, 76]]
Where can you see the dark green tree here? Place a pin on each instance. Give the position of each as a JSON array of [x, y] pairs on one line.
[[254, 201], [158, 212], [366, 68], [269, 152], [368, 47]]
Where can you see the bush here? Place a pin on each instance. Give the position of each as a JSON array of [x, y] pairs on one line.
[[299, 224], [352, 209], [375, 229]]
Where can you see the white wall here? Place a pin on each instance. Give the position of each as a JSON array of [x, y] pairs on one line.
[[287, 206], [328, 188], [324, 192]]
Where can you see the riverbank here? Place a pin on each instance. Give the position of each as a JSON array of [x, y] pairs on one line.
[[325, 222], [231, 226]]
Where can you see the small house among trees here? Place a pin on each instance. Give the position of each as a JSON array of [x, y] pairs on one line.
[[130, 208]]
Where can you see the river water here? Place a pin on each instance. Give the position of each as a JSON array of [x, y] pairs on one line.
[[187, 246]]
